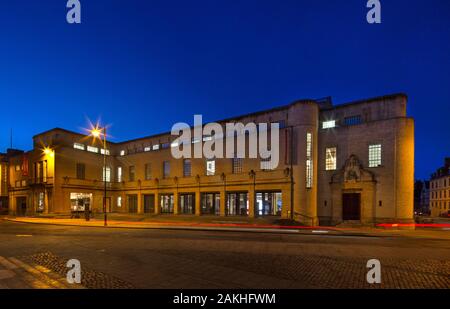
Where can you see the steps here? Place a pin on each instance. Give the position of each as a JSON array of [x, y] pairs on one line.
[[17, 274]]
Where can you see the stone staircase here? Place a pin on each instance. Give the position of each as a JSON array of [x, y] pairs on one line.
[[17, 274]]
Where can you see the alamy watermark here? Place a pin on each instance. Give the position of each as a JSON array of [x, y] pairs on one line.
[[208, 141], [74, 14], [374, 14], [74, 274], [374, 274]]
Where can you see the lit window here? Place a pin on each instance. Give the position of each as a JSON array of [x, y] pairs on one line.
[[187, 167], [207, 138], [78, 146], [165, 145], [237, 165], [329, 124], [119, 201], [17, 167], [122, 152], [107, 174], [155, 147], [266, 164], [102, 151], [92, 149], [148, 148], [166, 169], [309, 161], [330, 159], [119, 174], [210, 167], [374, 155]]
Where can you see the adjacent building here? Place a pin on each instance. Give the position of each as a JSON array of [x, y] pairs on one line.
[[440, 190], [352, 162]]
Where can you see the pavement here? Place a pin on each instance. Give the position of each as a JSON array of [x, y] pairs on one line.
[[18, 274], [205, 223], [174, 258]]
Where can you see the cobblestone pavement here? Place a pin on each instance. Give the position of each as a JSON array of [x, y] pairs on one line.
[[116, 258], [18, 274], [89, 278]]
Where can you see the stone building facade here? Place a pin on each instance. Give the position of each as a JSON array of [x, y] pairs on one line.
[[440, 190], [346, 163]]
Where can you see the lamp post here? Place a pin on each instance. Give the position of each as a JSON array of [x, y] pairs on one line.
[[97, 132]]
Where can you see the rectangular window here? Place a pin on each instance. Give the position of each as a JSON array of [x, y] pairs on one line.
[[92, 149], [119, 201], [166, 169], [122, 152], [131, 173], [106, 174], [148, 171], [329, 124], [374, 155], [330, 159], [352, 120], [167, 203], [210, 204], [148, 148], [165, 145], [24, 183], [266, 164], [187, 203], [155, 147], [78, 146], [119, 174], [237, 165], [210, 167], [17, 183], [17, 167], [81, 169], [102, 151], [187, 168], [41, 202], [207, 138], [309, 161]]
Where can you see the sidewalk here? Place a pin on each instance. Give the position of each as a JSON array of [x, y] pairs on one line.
[[235, 225]]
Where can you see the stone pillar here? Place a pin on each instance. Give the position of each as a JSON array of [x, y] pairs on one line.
[[251, 202], [197, 202], [157, 207], [46, 201], [140, 206], [223, 202], [176, 208], [286, 203]]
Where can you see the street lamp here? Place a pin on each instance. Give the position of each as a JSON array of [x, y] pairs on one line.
[[97, 133]]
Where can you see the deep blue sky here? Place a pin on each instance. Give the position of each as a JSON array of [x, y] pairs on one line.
[[143, 65]]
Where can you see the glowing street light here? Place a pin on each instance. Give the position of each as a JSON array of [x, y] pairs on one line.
[[97, 132], [48, 152]]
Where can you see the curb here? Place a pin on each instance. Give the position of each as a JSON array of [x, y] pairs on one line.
[[212, 229]]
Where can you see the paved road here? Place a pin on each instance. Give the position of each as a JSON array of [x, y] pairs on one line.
[[113, 258]]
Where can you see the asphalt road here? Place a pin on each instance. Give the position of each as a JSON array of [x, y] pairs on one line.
[[210, 259]]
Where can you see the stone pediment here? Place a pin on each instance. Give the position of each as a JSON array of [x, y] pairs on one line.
[[352, 171]]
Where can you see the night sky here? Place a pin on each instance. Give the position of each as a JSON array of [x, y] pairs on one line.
[[143, 65]]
